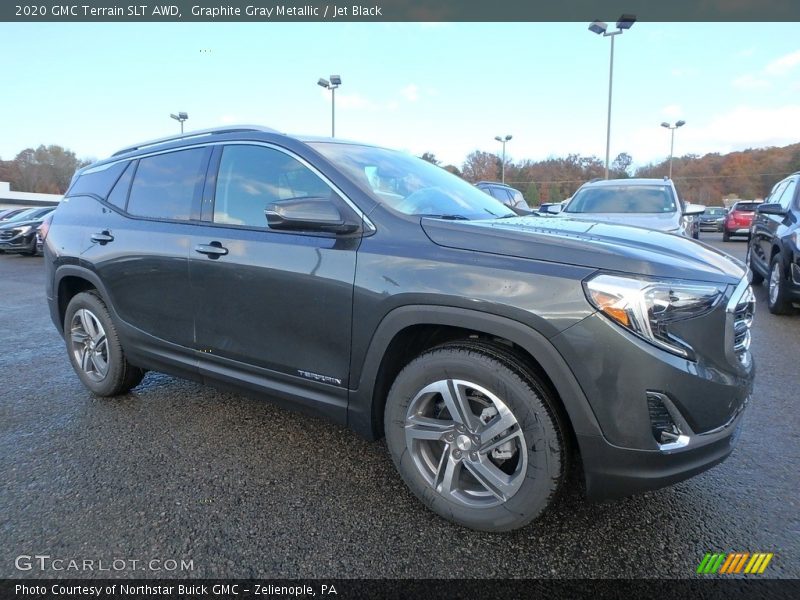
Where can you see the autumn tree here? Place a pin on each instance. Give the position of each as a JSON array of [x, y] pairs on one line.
[[621, 165], [46, 169], [481, 166]]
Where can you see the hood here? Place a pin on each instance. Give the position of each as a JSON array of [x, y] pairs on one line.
[[596, 245], [659, 221], [15, 224]]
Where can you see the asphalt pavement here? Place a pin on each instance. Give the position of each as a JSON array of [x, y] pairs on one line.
[[235, 487]]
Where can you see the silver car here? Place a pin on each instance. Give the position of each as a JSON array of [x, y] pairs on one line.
[[649, 203]]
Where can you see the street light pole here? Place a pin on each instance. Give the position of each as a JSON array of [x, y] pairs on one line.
[[600, 28], [180, 117], [672, 129], [503, 141], [331, 85]]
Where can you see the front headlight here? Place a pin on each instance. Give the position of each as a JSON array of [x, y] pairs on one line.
[[647, 307], [23, 230]]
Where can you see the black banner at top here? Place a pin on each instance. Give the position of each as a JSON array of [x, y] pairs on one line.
[[397, 10]]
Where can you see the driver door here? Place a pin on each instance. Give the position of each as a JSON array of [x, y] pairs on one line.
[[265, 299]]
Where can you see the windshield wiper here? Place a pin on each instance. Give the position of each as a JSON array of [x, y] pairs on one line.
[[448, 217]]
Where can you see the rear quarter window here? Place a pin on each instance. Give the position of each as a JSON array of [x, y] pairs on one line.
[[166, 185], [97, 181]]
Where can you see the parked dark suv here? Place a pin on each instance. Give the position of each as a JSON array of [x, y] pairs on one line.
[[494, 352], [508, 195], [774, 249]]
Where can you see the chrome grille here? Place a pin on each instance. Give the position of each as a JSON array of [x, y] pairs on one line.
[[8, 234]]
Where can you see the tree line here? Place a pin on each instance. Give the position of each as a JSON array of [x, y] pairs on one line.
[[46, 169], [707, 179]]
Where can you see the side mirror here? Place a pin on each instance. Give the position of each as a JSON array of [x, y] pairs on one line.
[[309, 213], [771, 208], [694, 209], [553, 209]]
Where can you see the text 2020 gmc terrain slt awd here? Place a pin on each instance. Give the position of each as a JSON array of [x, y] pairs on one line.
[[493, 351]]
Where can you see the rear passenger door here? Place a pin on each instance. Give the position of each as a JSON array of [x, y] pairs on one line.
[[142, 257], [276, 303]]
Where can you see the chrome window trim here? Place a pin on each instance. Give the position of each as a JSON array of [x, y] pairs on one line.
[[369, 226]]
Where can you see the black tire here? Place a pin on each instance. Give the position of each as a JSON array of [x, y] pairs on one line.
[[538, 422], [781, 304], [726, 237], [756, 278], [120, 375]]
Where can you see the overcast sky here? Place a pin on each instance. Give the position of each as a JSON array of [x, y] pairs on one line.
[[442, 88]]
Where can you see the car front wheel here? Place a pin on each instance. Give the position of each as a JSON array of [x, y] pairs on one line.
[[476, 436]]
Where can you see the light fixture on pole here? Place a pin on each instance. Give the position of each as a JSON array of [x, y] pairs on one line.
[[672, 129], [503, 141], [600, 28], [331, 85], [180, 117]]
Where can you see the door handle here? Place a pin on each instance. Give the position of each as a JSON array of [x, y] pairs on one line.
[[212, 250], [102, 238]]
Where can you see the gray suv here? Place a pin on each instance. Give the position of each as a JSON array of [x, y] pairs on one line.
[[494, 352], [649, 203]]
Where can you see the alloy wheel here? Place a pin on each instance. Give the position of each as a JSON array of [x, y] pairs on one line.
[[89, 344], [774, 283], [466, 443]]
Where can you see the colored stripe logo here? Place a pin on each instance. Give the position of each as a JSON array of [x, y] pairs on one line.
[[734, 562]]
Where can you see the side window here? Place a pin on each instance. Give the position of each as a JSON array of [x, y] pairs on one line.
[[500, 193], [98, 180], [251, 177], [519, 199], [788, 194], [165, 185], [119, 194]]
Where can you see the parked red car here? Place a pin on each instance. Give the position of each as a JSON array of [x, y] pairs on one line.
[[739, 219]]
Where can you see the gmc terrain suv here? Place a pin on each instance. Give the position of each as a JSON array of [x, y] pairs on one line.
[[494, 352]]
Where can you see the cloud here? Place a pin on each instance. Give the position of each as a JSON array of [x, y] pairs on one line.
[[228, 119], [750, 82], [410, 92], [672, 111], [784, 64], [737, 129]]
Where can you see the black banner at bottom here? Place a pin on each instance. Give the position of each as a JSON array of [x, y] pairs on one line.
[[342, 589]]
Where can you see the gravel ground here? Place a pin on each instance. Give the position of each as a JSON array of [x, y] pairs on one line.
[[178, 471]]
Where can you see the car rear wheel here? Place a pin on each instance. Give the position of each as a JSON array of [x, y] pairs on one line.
[[94, 348], [476, 436], [756, 278], [726, 237], [777, 296]]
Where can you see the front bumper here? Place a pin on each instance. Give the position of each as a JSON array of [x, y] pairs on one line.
[[614, 472], [20, 243], [660, 418]]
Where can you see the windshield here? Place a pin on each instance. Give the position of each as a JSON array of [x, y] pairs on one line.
[[746, 205], [623, 199], [411, 185], [715, 211], [25, 214]]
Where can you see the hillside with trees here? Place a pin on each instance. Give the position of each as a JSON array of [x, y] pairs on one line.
[[702, 179]]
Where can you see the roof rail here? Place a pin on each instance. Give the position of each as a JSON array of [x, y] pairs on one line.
[[196, 133]]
